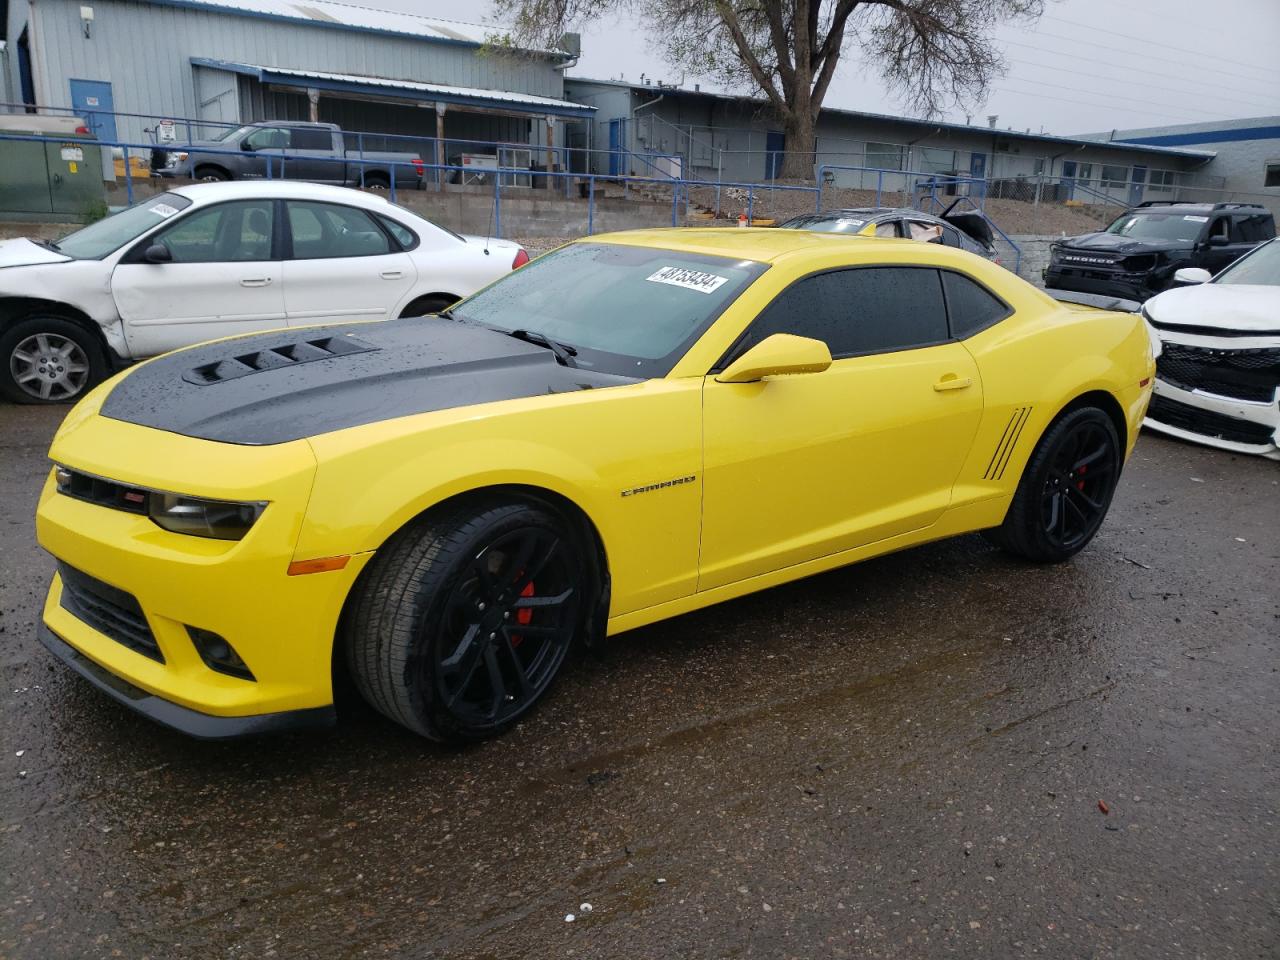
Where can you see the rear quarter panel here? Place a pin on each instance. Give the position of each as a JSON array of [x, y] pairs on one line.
[[1033, 366]]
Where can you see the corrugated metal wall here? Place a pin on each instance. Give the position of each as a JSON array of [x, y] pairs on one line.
[[145, 53]]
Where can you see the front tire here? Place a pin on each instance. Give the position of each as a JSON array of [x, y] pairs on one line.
[[46, 358], [463, 620], [1065, 490]]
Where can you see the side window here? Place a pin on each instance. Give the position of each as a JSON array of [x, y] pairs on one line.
[[404, 236], [924, 231], [1220, 228], [887, 229], [310, 138], [1251, 229], [865, 310], [268, 138], [226, 233], [951, 237], [326, 230], [970, 306]]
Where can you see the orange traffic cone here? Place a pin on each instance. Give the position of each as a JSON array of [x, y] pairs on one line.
[[743, 221]]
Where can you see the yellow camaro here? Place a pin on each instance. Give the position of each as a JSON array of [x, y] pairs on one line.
[[627, 429]]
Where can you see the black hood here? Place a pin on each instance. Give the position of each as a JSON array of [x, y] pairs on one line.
[[282, 386], [1115, 244]]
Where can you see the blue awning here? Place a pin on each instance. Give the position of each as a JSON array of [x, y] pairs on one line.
[[505, 101]]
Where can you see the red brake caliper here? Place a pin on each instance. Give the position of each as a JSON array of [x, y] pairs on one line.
[[524, 616], [1081, 473]]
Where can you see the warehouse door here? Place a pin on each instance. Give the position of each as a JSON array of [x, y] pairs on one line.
[[92, 99]]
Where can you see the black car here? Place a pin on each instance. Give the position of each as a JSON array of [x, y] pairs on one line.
[[1138, 254], [966, 229]]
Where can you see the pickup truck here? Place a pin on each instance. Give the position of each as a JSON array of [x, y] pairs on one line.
[[317, 152]]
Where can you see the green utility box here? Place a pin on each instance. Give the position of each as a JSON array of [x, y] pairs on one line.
[[55, 180]]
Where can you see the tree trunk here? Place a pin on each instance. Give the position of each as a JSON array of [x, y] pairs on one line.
[[800, 143]]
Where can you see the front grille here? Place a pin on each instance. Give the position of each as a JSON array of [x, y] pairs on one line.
[[105, 493], [1241, 374], [109, 610], [1207, 422]]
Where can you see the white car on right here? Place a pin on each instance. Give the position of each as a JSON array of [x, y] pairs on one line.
[[1218, 375]]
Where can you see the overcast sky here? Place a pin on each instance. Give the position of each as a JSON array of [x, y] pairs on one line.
[[1087, 66]]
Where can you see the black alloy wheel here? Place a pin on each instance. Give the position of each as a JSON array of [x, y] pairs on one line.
[[1065, 490], [507, 625], [1078, 485], [462, 621]]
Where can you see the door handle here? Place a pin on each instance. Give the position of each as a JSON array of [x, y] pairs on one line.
[[256, 282], [392, 274], [951, 382]]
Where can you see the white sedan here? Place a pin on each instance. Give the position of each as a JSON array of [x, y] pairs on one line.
[[215, 260], [1218, 375]]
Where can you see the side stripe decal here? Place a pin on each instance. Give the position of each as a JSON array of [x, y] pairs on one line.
[[1008, 440]]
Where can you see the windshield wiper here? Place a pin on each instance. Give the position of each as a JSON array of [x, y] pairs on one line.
[[48, 245], [563, 352]]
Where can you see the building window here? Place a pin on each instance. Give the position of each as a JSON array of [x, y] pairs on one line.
[[885, 156], [1114, 176], [1160, 181], [1272, 176], [1084, 172]]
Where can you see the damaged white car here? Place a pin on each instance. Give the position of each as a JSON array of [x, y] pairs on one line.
[[1218, 376], [217, 260]]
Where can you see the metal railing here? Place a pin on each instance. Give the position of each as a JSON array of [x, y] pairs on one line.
[[402, 174]]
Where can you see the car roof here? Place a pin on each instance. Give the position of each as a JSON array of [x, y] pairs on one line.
[[762, 244], [871, 212], [283, 189]]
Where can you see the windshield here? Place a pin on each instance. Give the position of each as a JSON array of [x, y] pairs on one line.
[[845, 223], [110, 234], [228, 133], [1159, 226], [632, 311], [1261, 267]]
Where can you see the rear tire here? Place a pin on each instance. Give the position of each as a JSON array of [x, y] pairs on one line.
[[45, 358], [424, 306], [463, 620], [212, 175], [1065, 490], [376, 181]]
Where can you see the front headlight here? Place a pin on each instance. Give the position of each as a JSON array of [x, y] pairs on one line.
[[219, 519], [176, 512], [176, 158]]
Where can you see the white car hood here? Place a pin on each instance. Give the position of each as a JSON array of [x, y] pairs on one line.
[[1223, 306], [24, 253]]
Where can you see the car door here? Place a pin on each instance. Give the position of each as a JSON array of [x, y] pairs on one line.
[[312, 155], [801, 467], [341, 264], [224, 278], [262, 146], [1225, 244]]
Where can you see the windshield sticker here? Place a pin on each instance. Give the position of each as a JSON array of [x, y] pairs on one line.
[[1197, 219], [163, 210], [689, 279], [845, 221]]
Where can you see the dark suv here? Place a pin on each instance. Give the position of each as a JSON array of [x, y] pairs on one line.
[[1137, 255]]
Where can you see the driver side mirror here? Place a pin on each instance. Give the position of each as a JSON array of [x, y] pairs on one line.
[[157, 253], [246, 146], [779, 355]]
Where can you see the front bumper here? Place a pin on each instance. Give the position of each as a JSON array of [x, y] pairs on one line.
[[282, 626], [1127, 286], [202, 726], [1229, 424]]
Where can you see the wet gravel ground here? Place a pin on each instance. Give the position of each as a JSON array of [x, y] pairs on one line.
[[902, 759]]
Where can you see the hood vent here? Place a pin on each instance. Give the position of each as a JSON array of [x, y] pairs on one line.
[[273, 358]]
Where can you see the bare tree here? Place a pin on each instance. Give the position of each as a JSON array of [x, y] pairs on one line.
[[931, 53]]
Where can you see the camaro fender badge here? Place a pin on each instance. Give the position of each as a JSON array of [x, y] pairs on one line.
[[650, 487]]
